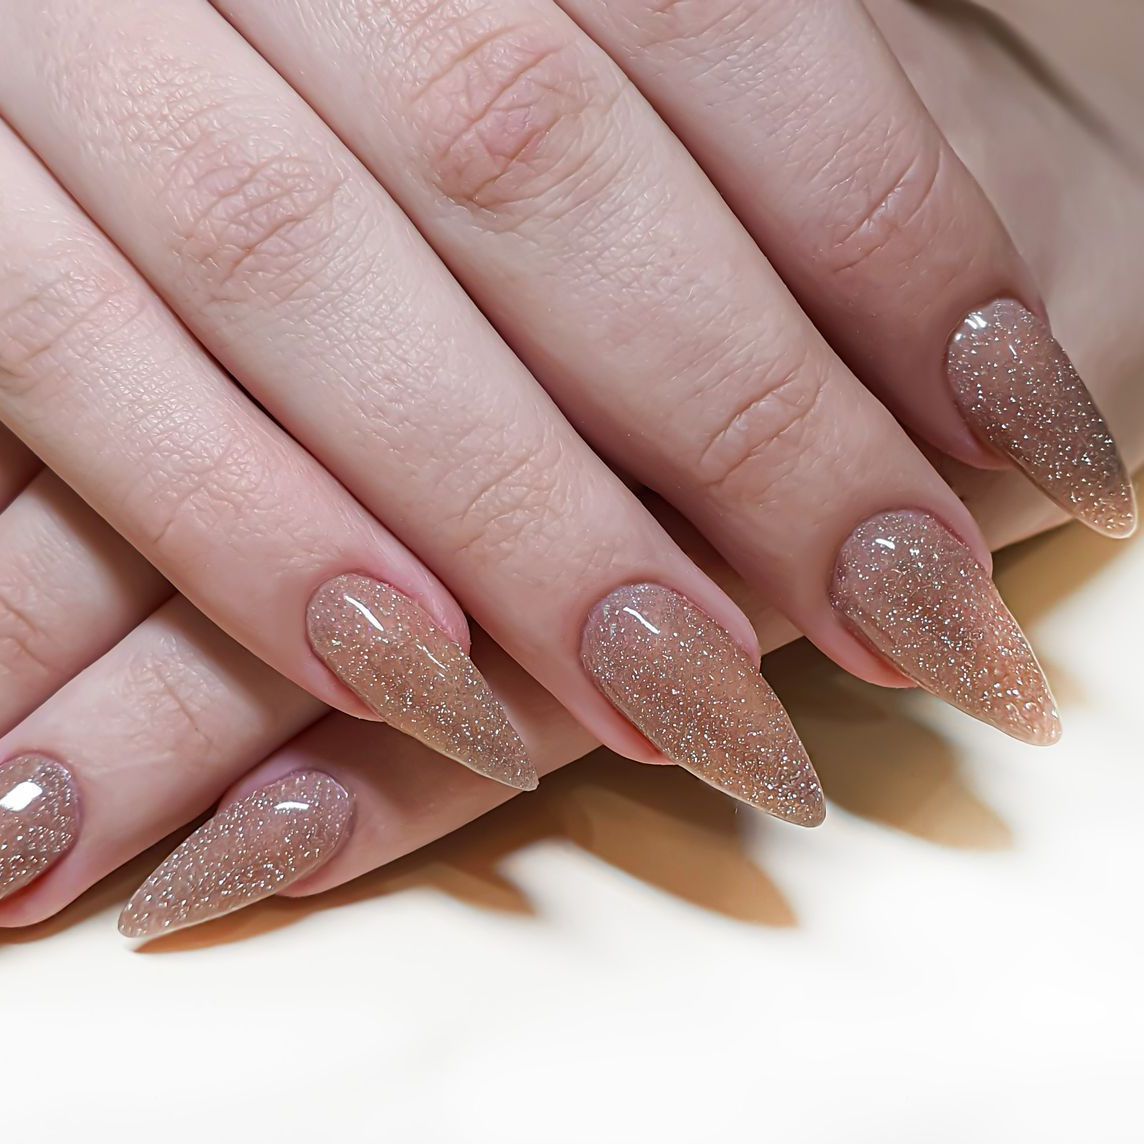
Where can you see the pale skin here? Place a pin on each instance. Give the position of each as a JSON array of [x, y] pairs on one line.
[[209, 702]]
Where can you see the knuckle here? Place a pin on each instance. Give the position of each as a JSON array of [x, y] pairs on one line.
[[243, 206], [27, 647], [174, 699], [250, 216], [686, 24], [517, 508], [511, 116], [55, 309], [209, 486], [759, 441], [894, 217]]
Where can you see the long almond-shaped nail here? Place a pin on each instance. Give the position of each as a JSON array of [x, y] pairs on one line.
[[39, 819], [906, 584], [382, 646], [250, 850], [1019, 392], [700, 699]]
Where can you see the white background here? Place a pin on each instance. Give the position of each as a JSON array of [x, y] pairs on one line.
[[955, 956]]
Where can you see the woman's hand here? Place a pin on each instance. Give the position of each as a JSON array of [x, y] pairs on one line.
[[574, 217], [197, 723]]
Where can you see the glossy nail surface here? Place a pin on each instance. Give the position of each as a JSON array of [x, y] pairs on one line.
[[382, 646], [907, 585], [248, 851], [39, 819], [1019, 392], [699, 699]]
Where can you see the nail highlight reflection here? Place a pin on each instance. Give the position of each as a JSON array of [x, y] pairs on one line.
[[907, 585], [39, 819], [252, 849], [385, 648], [1018, 390], [697, 696]]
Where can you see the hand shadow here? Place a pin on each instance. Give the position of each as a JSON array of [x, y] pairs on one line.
[[665, 828]]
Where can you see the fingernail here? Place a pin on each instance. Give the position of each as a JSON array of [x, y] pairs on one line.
[[386, 650], [699, 699], [1019, 392], [906, 584], [39, 819], [249, 851]]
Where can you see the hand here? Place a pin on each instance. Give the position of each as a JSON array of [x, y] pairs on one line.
[[349, 853], [564, 205]]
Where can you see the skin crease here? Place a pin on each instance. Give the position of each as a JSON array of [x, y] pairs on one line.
[[970, 86]]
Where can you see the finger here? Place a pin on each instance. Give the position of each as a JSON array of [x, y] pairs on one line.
[[130, 749], [803, 118], [522, 153], [115, 396], [70, 589], [301, 275]]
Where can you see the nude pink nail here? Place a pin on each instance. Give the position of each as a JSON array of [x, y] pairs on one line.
[[913, 591], [699, 698], [388, 651], [1019, 392], [248, 851]]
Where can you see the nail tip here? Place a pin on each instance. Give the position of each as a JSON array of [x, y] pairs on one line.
[[517, 781], [810, 817]]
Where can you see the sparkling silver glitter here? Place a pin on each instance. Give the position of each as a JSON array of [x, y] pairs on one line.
[[248, 851], [39, 819], [698, 698], [1018, 390], [382, 646], [907, 585]]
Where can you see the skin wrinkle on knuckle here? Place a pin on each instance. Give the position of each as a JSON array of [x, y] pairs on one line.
[[249, 208], [167, 701], [25, 643], [207, 482], [518, 508], [513, 118], [248, 219], [895, 222], [55, 312], [761, 440], [687, 27]]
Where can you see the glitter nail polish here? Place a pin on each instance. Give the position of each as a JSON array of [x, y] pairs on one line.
[[248, 851], [699, 699], [1019, 392], [39, 819], [914, 592], [385, 648]]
